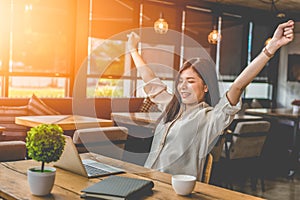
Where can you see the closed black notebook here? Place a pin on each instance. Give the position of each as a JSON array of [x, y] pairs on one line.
[[119, 188]]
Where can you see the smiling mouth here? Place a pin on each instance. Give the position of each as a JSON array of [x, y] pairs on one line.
[[185, 94]]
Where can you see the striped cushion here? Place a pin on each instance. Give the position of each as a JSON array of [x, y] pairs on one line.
[[148, 106], [7, 119], [37, 107]]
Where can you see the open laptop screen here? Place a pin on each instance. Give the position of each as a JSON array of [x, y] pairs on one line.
[[71, 161]]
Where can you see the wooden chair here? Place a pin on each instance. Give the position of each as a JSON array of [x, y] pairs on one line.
[[207, 168], [218, 147], [216, 172], [245, 145], [107, 141]]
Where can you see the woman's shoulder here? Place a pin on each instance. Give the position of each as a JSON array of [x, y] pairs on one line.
[[225, 106]]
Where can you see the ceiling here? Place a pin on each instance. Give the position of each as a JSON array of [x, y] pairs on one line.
[[281, 5]]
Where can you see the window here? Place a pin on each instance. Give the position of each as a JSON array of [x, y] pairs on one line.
[[42, 45], [110, 72], [198, 24], [293, 67], [262, 86], [109, 68], [36, 47], [232, 52], [260, 34], [258, 91]]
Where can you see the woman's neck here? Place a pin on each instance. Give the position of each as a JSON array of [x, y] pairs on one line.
[[191, 106]]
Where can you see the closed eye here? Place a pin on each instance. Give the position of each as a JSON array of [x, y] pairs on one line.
[[191, 80]]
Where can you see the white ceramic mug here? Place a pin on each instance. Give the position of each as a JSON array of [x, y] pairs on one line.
[[296, 108], [183, 184]]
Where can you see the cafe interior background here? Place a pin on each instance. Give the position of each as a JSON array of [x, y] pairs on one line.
[[45, 43], [73, 48]]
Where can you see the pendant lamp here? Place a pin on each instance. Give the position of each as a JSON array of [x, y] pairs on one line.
[[161, 25]]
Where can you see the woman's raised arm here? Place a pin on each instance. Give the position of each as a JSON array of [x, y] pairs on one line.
[[282, 36], [146, 73]]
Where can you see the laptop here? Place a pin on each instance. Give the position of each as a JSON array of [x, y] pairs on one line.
[[71, 161]]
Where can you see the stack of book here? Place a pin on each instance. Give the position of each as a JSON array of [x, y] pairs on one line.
[[119, 188]]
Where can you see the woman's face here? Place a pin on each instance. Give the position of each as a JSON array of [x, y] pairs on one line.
[[191, 87]]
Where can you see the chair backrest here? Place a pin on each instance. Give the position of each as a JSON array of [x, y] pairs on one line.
[[107, 141], [207, 168], [248, 139], [218, 148]]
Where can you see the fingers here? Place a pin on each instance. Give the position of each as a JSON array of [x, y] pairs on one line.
[[130, 34], [282, 35], [285, 30], [288, 33], [288, 30], [133, 34], [133, 40], [289, 23]]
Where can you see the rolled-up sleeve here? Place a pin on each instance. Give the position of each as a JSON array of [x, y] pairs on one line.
[[154, 87], [222, 115], [156, 90], [225, 106]]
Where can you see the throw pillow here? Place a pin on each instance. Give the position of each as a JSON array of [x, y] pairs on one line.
[[37, 107], [148, 106], [7, 119]]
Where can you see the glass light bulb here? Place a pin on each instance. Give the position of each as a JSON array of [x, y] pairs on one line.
[[161, 26], [214, 37]]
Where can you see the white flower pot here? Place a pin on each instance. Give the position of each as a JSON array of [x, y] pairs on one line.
[[41, 183]]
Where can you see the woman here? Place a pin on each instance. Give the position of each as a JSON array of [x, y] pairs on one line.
[[189, 126]]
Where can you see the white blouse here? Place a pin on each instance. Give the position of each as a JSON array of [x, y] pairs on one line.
[[181, 146]]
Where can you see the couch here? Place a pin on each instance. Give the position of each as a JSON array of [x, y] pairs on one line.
[[101, 108], [12, 138]]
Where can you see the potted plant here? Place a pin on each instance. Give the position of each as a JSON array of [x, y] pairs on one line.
[[45, 143]]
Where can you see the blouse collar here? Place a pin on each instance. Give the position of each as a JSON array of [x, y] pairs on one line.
[[200, 106]]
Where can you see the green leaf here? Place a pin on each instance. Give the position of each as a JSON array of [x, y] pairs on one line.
[[45, 142]]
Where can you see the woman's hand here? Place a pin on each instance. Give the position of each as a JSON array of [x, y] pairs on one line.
[[282, 36], [145, 71], [133, 40]]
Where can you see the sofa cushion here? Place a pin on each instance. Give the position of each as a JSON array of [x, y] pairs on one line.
[[7, 119], [37, 107], [12, 150]]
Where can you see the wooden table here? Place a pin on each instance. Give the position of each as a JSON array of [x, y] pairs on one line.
[[149, 120], [66, 122], [282, 113], [14, 185], [145, 119]]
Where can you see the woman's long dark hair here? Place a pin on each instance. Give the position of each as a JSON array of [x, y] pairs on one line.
[[173, 107]]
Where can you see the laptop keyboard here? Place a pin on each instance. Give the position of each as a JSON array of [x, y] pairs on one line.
[[93, 171]]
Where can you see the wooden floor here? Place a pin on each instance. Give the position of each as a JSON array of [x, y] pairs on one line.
[[277, 186], [275, 167]]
